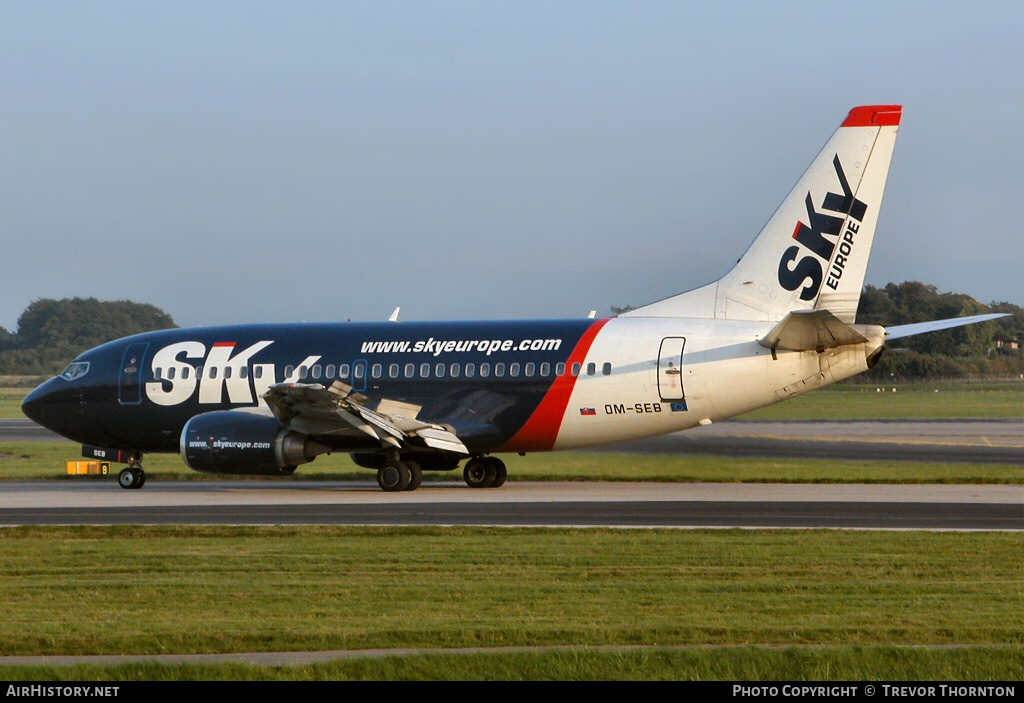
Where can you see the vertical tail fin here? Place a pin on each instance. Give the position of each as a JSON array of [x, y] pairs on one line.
[[813, 252]]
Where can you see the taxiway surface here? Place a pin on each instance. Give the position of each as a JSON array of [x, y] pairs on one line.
[[101, 501]]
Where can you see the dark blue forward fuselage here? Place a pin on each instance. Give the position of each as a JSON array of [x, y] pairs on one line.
[[484, 378]]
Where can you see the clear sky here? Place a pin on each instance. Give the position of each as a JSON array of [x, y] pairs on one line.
[[241, 161]]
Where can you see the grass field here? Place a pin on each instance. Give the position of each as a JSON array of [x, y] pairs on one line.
[[46, 460], [836, 402], [216, 589]]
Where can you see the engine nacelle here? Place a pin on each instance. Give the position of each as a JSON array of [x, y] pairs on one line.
[[231, 442]]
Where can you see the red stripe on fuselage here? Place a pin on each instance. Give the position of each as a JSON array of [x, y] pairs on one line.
[[541, 430]]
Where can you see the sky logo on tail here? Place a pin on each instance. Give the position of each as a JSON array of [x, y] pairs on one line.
[[822, 234]]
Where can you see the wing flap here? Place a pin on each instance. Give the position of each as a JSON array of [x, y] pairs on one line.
[[312, 408]]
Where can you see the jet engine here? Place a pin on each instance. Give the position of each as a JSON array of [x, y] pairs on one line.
[[232, 442]]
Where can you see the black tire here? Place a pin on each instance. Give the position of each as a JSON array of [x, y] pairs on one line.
[[415, 473], [479, 473], [127, 479], [141, 476], [394, 477], [500, 472]]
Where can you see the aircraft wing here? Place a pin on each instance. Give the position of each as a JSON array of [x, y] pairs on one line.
[[311, 408], [921, 327]]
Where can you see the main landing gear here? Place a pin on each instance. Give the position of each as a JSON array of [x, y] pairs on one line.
[[484, 472], [398, 475]]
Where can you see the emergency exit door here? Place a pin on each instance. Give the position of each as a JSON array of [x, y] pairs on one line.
[[670, 369]]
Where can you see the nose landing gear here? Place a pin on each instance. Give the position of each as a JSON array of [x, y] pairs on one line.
[[133, 476]]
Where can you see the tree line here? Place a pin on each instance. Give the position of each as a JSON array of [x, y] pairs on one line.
[[51, 333], [988, 348]]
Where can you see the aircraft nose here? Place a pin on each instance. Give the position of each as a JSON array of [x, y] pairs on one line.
[[34, 404], [45, 405]]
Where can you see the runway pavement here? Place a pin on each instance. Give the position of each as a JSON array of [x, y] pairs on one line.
[[621, 504], [92, 502]]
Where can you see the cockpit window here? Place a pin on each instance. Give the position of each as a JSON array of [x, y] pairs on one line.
[[75, 369]]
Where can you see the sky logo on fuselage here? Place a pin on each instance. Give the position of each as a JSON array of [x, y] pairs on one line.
[[822, 235], [223, 370]]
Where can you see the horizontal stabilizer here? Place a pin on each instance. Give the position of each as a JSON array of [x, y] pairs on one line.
[[922, 327], [807, 330]]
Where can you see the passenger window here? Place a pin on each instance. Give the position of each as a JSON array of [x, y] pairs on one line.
[[513, 370], [316, 371], [376, 370], [393, 371], [485, 370], [560, 369], [257, 372], [303, 372], [199, 372], [343, 371], [243, 372], [591, 368], [227, 372], [606, 369], [170, 374], [499, 370], [425, 370], [470, 370], [410, 370], [455, 370], [576, 369], [186, 371], [359, 371], [439, 370], [329, 371], [530, 369], [157, 372], [213, 372]]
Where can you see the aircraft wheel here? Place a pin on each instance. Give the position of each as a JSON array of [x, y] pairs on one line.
[[394, 477], [479, 473], [500, 472], [131, 478], [415, 475]]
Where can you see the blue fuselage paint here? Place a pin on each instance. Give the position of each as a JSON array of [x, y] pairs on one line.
[[483, 378]]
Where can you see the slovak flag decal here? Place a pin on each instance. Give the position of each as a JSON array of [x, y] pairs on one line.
[[588, 411]]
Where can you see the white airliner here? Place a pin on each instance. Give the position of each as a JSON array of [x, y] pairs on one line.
[[404, 397]]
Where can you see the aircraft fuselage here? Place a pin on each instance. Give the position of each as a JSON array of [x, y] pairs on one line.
[[515, 386]]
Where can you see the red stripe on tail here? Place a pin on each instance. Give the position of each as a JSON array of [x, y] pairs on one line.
[[874, 116]]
